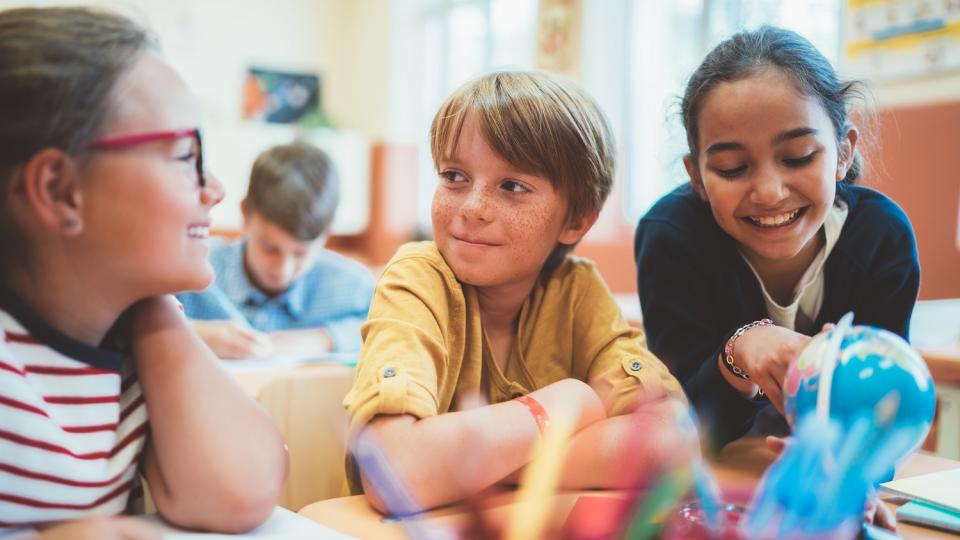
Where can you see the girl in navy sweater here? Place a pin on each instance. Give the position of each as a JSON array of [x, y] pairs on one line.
[[771, 238]]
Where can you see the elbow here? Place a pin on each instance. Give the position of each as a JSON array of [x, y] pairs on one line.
[[246, 511], [373, 497], [227, 512], [229, 506], [397, 495]]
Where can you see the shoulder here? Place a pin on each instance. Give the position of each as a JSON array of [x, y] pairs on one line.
[[874, 218], [576, 278], [574, 271], [681, 209], [420, 264], [680, 227]]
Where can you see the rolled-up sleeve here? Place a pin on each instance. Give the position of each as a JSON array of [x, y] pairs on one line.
[[404, 352]]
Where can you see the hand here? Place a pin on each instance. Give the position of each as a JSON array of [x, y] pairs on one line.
[[101, 528], [230, 339], [776, 444], [765, 353], [879, 514]]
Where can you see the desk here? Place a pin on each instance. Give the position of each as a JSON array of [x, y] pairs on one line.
[[306, 403], [741, 465], [253, 377], [944, 364]]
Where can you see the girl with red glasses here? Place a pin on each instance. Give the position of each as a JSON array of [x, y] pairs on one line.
[[104, 213]]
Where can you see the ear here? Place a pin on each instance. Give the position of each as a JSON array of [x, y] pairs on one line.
[[693, 171], [246, 212], [846, 151], [576, 229], [50, 184]]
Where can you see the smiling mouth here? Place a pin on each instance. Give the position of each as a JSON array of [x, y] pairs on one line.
[[779, 220], [475, 243]]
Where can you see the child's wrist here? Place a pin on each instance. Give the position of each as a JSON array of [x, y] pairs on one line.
[[536, 410]]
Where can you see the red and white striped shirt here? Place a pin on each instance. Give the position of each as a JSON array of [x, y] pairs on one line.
[[73, 425]]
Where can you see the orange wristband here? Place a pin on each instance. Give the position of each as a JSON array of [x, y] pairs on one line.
[[536, 409]]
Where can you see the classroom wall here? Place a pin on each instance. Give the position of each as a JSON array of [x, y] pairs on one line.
[[917, 165], [212, 43]]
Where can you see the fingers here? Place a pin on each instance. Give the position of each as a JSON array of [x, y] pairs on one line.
[[770, 385], [879, 514], [256, 344], [776, 444]]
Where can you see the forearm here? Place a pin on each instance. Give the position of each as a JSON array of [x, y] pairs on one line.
[[446, 458], [627, 450], [215, 459]]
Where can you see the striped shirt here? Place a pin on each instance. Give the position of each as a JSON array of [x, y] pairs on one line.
[[73, 424]]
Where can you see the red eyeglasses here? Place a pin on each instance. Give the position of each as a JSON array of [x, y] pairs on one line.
[[126, 141]]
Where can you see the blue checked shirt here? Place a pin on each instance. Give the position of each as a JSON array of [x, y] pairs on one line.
[[334, 294]]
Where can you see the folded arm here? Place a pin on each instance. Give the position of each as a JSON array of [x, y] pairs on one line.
[[215, 460]]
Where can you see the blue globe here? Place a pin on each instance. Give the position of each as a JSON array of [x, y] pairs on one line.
[[878, 380]]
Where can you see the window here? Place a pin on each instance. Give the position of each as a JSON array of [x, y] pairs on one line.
[[669, 39], [463, 39]]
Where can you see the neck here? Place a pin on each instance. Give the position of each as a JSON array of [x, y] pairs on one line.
[[780, 277], [67, 298], [500, 305]]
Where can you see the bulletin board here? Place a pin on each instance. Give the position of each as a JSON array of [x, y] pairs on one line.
[[895, 39]]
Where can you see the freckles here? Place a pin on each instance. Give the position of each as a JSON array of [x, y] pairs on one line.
[[533, 224]]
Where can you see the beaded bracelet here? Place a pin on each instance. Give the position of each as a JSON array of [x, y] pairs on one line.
[[536, 409], [728, 348]]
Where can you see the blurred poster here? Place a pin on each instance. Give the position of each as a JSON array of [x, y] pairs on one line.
[[890, 39], [279, 97], [558, 36]]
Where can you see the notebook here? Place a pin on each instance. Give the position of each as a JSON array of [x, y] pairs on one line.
[[938, 489], [929, 516]]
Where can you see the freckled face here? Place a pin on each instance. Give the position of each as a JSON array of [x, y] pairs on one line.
[[768, 164], [494, 225]]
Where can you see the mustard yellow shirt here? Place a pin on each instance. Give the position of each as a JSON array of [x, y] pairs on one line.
[[424, 346]]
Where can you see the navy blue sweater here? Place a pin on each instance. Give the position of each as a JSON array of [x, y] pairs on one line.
[[696, 290]]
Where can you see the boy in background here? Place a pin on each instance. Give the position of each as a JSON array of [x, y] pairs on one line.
[[278, 291]]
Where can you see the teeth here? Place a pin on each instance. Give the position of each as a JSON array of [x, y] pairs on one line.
[[198, 231], [775, 221]]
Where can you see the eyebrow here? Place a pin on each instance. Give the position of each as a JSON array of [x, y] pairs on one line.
[[779, 138]]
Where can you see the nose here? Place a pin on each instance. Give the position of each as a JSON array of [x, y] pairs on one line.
[[476, 205], [212, 191], [769, 189]]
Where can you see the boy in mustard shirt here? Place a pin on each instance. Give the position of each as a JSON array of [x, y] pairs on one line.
[[496, 306]]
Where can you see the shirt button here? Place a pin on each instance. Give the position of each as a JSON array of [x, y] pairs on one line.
[[389, 372], [635, 365]]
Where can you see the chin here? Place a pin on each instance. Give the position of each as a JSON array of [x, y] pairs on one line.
[[197, 281]]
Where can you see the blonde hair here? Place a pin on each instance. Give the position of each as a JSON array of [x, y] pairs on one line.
[[541, 125]]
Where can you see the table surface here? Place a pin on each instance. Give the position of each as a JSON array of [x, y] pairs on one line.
[[740, 467], [944, 362]]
